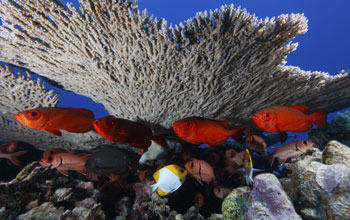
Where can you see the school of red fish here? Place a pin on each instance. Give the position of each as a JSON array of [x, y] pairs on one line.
[[196, 130]]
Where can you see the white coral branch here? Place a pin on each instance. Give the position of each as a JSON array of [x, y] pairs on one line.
[[18, 93]]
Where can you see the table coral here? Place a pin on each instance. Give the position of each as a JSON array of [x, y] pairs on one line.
[[222, 63]]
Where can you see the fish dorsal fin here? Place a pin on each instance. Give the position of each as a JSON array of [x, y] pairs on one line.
[[86, 112], [302, 108], [222, 123]]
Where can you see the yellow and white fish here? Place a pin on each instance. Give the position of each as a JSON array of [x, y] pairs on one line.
[[168, 179], [248, 167]]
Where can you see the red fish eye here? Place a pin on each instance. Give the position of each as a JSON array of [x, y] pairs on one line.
[[110, 123], [188, 124], [49, 159], [33, 114], [192, 164], [305, 142], [267, 116]]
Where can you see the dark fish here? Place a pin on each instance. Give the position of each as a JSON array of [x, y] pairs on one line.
[[112, 160]]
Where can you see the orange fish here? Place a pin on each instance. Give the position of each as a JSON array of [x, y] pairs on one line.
[[289, 150], [199, 130], [51, 119], [288, 118], [66, 161], [124, 131], [200, 170]]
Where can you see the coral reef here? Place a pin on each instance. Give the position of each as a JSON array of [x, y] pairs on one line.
[[235, 205], [39, 193], [338, 129], [318, 190], [222, 64]]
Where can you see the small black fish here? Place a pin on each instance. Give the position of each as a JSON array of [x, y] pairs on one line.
[[112, 160]]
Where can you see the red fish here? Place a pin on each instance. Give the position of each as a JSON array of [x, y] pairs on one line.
[[9, 147], [52, 119], [233, 160], [13, 156], [221, 191], [289, 150], [288, 118], [51, 151], [124, 131], [256, 143], [199, 130], [66, 161], [200, 170]]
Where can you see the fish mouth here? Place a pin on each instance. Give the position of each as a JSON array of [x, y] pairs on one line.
[[255, 119], [96, 124], [177, 128], [18, 118]]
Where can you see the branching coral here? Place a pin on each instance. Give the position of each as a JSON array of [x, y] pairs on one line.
[[20, 93], [222, 64]]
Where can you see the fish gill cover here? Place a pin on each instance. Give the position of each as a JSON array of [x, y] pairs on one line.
[[222, 64]]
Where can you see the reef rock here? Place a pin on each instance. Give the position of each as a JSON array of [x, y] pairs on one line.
[[335, 153], [235, 205], [321, 191], [269, 201], [338, 129]]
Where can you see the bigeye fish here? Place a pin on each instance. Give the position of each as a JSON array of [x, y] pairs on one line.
[[280, 118], [201, 170], [66, 161], [124, 131], [211, 132], [168, 179], [52, 119], [289, 150]]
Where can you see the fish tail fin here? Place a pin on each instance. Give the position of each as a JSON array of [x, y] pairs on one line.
[[319, 118], [270, 158], [154, 187], [13, 157], [237, 134]]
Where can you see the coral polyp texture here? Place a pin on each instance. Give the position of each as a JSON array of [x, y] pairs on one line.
[[222, 64]]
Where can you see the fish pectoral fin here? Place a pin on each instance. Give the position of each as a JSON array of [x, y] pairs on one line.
[[64, 172], [54, 132], [200, 182]]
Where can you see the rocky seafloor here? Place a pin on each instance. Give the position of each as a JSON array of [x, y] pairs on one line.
[[314, 187]]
